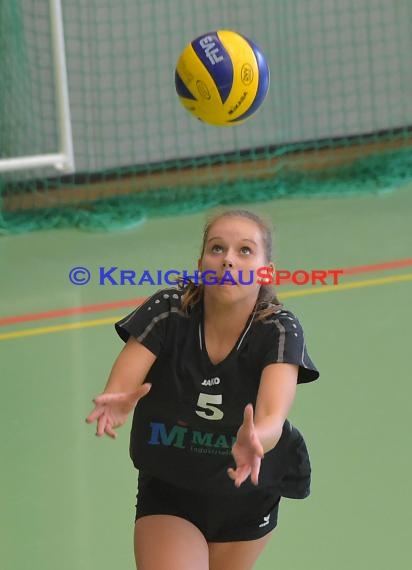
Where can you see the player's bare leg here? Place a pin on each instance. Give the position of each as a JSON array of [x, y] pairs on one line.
[[236, 555], [165, 542]]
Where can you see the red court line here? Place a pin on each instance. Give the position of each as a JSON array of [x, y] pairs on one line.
[[100, 307], [384, 266], [54, 314]]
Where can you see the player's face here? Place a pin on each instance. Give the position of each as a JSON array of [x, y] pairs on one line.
[[234, 251]]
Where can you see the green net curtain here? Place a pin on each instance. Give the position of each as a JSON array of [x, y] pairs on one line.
[[337, 119]]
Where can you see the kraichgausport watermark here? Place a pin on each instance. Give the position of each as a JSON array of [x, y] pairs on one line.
[[262, 276]]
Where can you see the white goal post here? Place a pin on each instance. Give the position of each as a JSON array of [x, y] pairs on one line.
[[63, 159]]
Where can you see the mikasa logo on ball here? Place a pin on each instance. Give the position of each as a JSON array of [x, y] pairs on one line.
[[211, 51], [246, 74], [202, 88], [238, 104]]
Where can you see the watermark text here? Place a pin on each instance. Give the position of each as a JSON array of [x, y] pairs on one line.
[[262, 276]]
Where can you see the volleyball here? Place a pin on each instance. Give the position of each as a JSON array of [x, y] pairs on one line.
[[222, 78]]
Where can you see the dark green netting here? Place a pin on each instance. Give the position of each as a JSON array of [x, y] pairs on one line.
[[373, 175]]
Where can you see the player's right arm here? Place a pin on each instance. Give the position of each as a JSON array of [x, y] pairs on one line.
[[124, 388]]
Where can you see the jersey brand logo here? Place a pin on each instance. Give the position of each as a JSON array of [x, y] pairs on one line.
[[265, 521], [211, 381]]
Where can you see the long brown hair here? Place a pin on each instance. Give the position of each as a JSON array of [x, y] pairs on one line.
[[267, 302]]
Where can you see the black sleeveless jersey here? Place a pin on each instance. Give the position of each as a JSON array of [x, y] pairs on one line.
[[184, 429]]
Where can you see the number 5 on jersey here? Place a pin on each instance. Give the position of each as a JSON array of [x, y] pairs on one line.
[[209, 411]]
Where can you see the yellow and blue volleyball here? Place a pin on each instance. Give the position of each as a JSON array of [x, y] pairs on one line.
[[222, 78]]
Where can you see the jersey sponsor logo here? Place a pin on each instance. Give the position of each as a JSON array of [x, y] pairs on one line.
[[195, 440], [175, 437]]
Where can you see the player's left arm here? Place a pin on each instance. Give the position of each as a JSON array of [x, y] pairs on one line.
[[275, 397], [261, 430]]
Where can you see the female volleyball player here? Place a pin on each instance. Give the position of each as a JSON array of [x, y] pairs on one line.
[[211, 371]]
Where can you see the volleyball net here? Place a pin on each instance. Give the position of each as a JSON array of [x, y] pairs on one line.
[[92, 133]]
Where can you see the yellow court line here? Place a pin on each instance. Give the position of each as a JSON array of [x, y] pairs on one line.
[[59, 328], [346, 286], [285, 295]]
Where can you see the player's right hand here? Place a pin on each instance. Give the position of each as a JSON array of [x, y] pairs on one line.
[[111, 409]]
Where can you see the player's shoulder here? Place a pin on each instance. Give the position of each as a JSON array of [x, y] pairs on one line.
[[164, 300], [279, 316], [155, 311], [278, 322]]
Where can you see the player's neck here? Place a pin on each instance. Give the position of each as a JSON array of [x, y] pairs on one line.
[[223, 319]]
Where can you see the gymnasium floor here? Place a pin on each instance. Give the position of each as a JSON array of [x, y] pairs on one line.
[[67, 498]]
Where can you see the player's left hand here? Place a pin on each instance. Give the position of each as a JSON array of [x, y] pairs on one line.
[[247, 451]]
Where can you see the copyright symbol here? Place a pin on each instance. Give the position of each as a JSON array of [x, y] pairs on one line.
[[79, 275]]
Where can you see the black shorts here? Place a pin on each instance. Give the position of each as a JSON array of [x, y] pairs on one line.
[[220, 518]]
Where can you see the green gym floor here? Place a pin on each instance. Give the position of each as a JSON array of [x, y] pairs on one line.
[[67, 498]]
